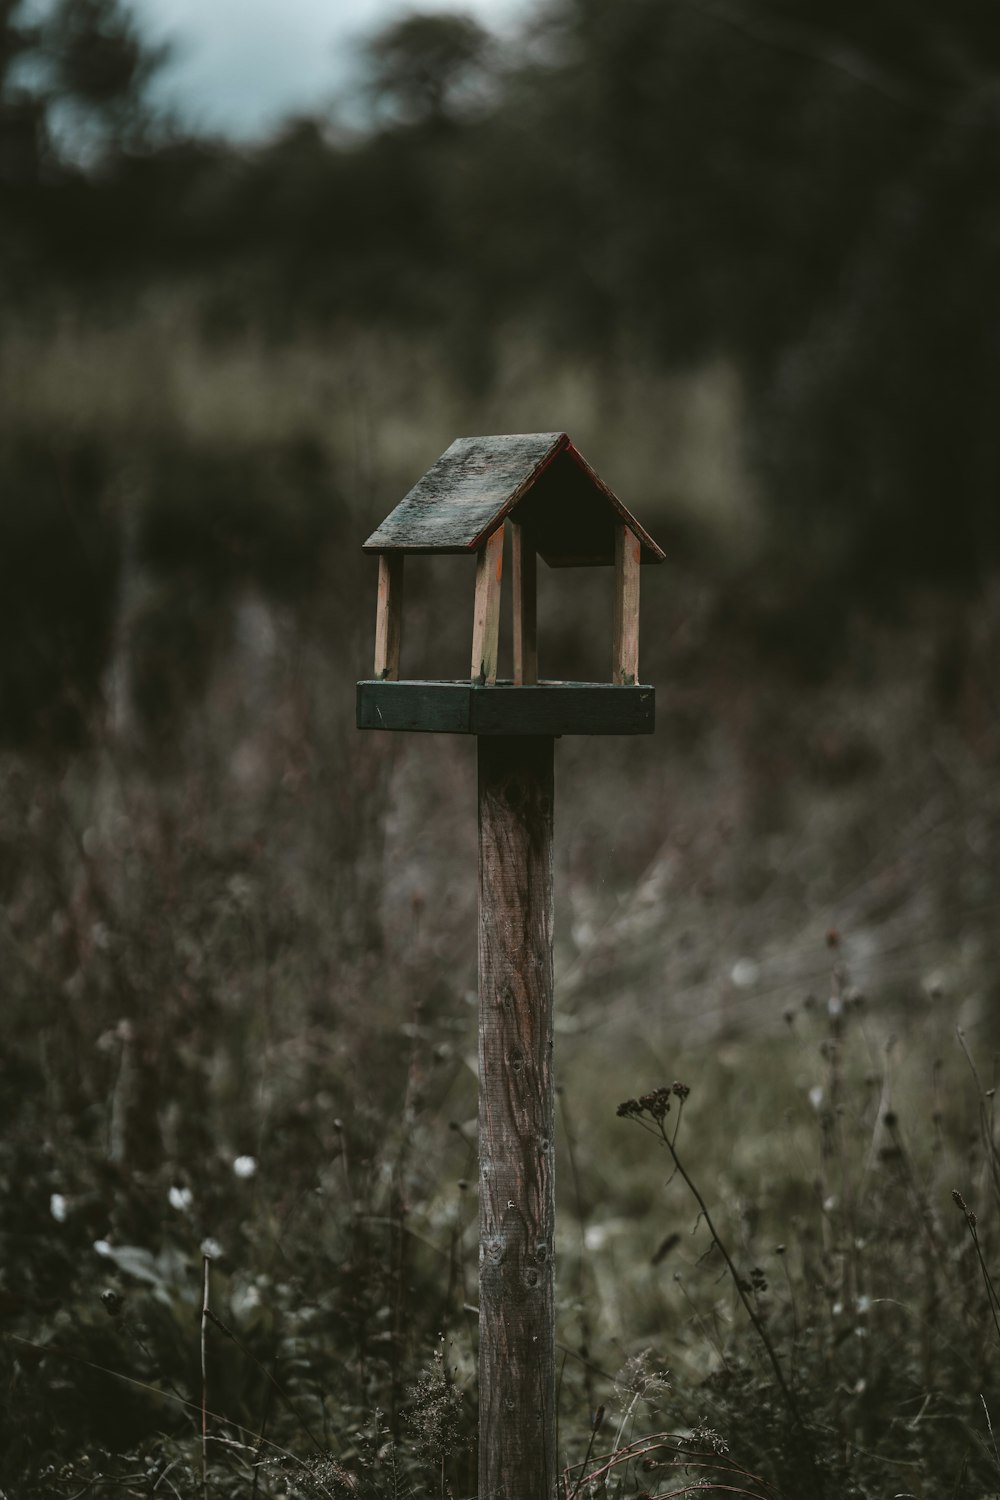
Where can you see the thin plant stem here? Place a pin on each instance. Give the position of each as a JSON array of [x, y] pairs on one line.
[[680, 1457], [254, 1440], [657, 1106], [205, 1312], [273, 1382], [582, 1215], [991, 1292], [594, 1426], [758, 1326]]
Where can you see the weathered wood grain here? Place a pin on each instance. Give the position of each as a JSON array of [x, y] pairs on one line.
[[389, 616], [480, 481], [625, 660], [524, 566], [517, 1452], [486, 612], [548, 708], [460, 498]]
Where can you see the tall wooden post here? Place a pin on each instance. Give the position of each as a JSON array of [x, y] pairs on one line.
[[541, 486], [517, 1447]]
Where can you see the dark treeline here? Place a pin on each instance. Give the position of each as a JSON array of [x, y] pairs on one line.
[[801, 189]]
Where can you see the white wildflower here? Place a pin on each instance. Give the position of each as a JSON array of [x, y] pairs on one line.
[[744, 973], [245, 1166], [58, 1207]]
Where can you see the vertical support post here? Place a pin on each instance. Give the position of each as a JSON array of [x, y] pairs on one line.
[[389, 616], [628, 550], [486, 615], [517, 1447], [524, 564]]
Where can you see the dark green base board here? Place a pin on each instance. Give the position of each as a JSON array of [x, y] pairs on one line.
[[548, 708]]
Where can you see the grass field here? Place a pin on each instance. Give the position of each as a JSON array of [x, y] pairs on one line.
[[238, 941]]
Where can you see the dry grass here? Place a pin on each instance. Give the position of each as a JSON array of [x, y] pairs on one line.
[[235, 928]]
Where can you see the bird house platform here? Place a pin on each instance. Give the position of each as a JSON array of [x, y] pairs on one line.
[[541, 488], [552, 708]]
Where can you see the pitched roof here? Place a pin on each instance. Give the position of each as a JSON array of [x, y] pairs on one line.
[[538, 478]]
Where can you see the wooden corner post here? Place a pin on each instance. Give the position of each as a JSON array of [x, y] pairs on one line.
[[524, 567], [389, 616], [517, 1427], [486, 614], [628, 554]]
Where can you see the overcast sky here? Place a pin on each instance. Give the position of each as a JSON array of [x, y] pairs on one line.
[[243, 65]]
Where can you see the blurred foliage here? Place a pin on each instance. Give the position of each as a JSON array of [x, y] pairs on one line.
[[422, 68], [796, 189], [237, 938]]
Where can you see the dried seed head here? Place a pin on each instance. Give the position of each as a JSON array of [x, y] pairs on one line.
[[970, 1217], [656, 1103]]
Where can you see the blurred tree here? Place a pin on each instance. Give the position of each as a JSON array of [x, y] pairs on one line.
[[73, 105], [22, 111], [77, 72], [797, 187], [97, 71], [427, 69], [802, 189]]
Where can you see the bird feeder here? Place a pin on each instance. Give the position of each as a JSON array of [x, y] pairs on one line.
[[556, 507], [542, 488]]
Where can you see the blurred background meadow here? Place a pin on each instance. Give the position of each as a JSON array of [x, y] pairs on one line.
[[746, 253]]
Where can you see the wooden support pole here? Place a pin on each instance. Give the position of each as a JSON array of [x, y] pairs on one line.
[[486, 615], [524, 569], [628, 550], [517, 1448], [389, 616]]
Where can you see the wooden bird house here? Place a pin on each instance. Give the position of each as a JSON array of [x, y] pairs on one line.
[[557, 508], [541, 487]]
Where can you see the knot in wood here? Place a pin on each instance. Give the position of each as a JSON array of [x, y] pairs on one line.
[[516, 795], [530, 1276], [494, 1250]]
